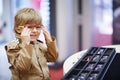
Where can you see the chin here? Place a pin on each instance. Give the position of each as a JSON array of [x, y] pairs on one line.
[[32, 40]]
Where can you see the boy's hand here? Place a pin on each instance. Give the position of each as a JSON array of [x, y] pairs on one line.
[[46, 34], [25, 36]]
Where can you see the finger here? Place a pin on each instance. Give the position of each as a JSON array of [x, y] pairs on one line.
[[43, 27], [26, 31], [29, 31]]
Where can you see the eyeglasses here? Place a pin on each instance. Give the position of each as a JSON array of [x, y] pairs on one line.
[[31, 26]]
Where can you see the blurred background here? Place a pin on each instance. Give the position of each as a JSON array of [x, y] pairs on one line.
[[76, 24]]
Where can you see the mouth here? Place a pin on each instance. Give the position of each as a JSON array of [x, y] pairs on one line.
[[33, 35]]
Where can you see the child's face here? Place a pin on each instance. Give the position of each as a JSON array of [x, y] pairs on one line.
[[35, 31]]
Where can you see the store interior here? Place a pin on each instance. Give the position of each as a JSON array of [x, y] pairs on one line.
[[76, 24]]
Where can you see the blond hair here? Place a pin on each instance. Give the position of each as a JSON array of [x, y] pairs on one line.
[[26, 16]]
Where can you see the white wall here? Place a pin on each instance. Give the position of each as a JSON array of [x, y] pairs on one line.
[[88, 19], [68, 21], [9, 33], [65, 27]]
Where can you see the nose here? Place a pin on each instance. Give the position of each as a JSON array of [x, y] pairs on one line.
[[34, 29]]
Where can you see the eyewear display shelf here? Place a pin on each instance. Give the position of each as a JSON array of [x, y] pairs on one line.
[[93, 65]]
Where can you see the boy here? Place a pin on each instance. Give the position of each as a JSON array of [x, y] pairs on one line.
[[27, 55]]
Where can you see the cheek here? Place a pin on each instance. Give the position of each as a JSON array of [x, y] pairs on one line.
[[38, 33]]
